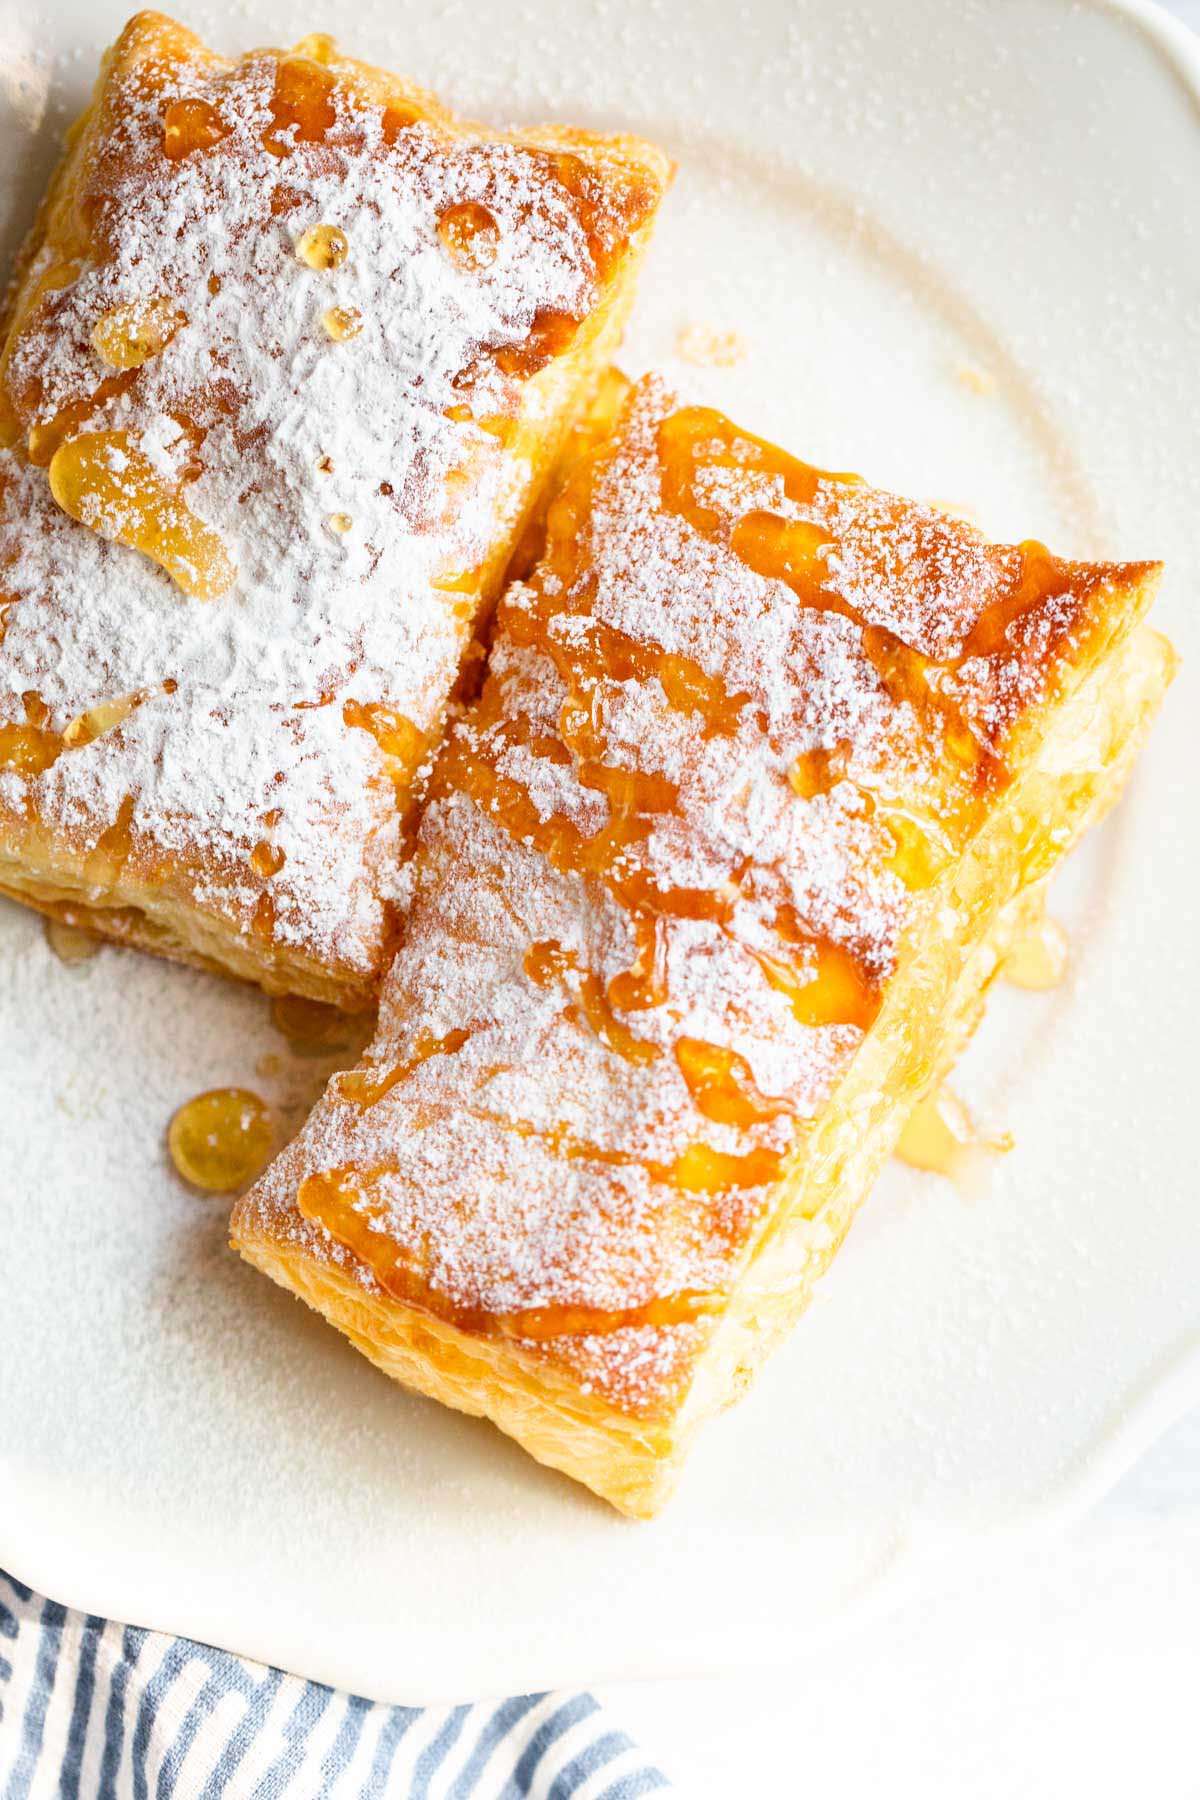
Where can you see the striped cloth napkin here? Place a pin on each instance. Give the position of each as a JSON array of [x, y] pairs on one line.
[[91, 1710]]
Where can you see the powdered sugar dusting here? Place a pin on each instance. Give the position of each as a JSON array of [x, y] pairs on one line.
[[342, 479], [541, 1152]]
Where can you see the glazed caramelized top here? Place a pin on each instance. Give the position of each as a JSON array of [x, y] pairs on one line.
[[279, 351], [738, 724]]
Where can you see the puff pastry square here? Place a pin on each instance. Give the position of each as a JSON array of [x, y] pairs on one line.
[[711, 884], [291, 353]]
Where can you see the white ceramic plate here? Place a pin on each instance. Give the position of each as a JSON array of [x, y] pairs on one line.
[[879, 197]]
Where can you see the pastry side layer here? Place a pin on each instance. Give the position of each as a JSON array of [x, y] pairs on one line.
[[704, 894], [291, 354]]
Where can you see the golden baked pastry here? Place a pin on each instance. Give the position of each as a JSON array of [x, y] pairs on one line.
[[291, 353], [710, 886]]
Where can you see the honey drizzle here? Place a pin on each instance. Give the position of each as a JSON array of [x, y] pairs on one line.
[[546, 962], [698, 1169], [104, 863], [33, 747], [403, 744], [334, 1200], [104, 481], [842, 990], [49, 436], [825, 983], [366, 1089], [792, 551], [723, 1087]]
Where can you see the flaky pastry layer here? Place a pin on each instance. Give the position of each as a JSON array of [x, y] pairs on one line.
[[291, 354], [711, 884], [635, 1463]]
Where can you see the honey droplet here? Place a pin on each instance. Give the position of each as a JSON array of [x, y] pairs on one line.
[[190, 125], [1037, 957], [833, 989], [921, 852], [262, 919], [108, 485], [86, 727], [815, 772], [70, 943], [342, 323], [28, 748], [127, 336], [107, 857], [941, 1137], [470, 234], [310, 1026], [340, 522], [323, 247], [221, 1140], [318, 46], [395, 734], [267, 859]]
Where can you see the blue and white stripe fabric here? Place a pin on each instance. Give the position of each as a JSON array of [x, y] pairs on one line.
[[92, 1710]]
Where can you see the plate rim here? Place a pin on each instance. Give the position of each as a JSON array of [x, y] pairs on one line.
[[1142, 1417]]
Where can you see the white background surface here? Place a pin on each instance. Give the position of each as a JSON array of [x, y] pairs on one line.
[[1048, 1666], [1064, 1668]]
